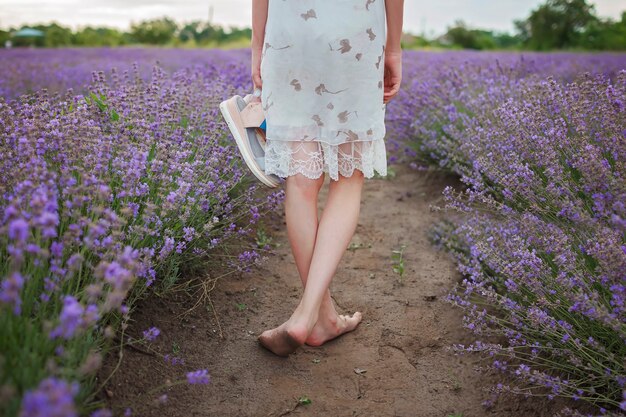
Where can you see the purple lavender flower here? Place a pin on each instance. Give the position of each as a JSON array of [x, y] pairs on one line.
[[189, 233], [198, 377], [18, 230], [117, 275], [70, 318], [52, 398], [151, 334], [173, 360], [10, 291], [56, 249], [91, 315], [167, 248], [248, 256]]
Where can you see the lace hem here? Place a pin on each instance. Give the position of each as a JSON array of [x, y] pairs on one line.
[[312, 158]]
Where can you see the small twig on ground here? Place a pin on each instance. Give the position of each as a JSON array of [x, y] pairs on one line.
[[204, 296], [135, 348], [203, 293], [117, 366], [203, 288], [217, 320], [359, 393]]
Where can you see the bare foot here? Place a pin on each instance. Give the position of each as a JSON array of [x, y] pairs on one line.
[[329, 328], [284, 339]]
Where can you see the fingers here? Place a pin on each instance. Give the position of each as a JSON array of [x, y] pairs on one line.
[[391, 93]]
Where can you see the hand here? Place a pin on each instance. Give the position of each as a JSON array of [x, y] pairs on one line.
[[393, 75], [256, 68]]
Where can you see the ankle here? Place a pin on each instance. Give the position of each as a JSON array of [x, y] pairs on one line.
[[327, 309], [302, 317], [327, 313]]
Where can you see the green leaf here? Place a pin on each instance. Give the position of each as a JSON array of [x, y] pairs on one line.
[[304, 400], [98, 101]]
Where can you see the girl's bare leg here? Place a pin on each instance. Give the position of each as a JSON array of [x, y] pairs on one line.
[[302, 222], [301, 216], [315, 319]]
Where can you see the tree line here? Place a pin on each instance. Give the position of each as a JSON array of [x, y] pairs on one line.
[[556, 24], [162, 31]]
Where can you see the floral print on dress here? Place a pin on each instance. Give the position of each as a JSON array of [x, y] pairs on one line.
[[322, 67]]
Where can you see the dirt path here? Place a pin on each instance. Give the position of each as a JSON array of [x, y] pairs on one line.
[[394, 364]]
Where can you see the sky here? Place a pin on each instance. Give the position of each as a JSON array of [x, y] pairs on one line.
[[431, 17]]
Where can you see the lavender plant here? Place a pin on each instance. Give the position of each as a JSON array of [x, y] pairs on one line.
[[443, 93], [542, 239], [105, 195]]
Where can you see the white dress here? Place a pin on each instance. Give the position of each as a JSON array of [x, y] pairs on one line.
[[322, 67]]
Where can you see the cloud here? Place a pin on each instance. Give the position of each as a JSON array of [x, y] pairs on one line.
[[435, 16], [610, 8], [120, 13]]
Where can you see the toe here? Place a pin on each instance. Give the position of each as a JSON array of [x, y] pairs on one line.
[[354, 321]]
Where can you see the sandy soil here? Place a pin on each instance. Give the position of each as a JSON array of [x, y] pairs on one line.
[[395, 364]]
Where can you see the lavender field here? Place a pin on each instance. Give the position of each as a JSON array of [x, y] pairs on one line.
[[118, 178]]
